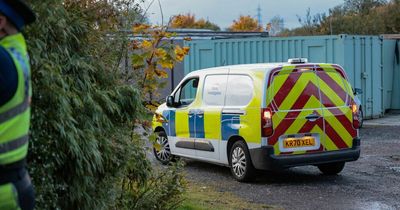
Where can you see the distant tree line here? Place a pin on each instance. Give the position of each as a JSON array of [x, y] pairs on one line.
[[189, 21], [352, 17], [367, 17]]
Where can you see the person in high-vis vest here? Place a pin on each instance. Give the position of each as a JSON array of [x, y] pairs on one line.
[[16, 190]]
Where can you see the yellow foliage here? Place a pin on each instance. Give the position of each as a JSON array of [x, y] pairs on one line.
[[245, 23], [146, 44], [160, 53], [183, 21], [153, 57], [161, 73], [166, 64], [181, 52], [139, 28], [186, 50], [189, 21]]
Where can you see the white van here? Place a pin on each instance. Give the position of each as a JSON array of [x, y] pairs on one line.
[[261, 116]]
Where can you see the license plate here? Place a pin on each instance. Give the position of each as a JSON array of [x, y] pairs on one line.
[[307, 141]]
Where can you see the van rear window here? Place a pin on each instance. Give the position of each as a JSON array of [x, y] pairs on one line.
[[300, 89], [334, 89], [294, 90]]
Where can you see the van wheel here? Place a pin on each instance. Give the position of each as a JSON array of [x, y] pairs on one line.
[[161, 148], [240, 162], [331, 168]]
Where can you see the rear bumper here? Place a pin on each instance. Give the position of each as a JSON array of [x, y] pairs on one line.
[[263, 158]]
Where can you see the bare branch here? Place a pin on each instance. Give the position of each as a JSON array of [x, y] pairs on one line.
[[146, 10], [161, 11]]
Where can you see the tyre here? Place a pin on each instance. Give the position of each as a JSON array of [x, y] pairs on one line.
[[240, 163], [331, 168], [162, 149], [361, 117]]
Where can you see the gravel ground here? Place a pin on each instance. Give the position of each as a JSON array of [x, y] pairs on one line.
[[372, 182]]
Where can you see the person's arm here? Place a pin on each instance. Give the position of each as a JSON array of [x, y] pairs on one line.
[[8, 77]]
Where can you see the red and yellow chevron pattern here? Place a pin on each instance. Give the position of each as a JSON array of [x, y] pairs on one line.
[[295, 92]]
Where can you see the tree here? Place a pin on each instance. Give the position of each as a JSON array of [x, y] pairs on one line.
[[245, 23], [362, 6], [391, 17], [152, 57], [368, 17], [276, 25], [189, 21]]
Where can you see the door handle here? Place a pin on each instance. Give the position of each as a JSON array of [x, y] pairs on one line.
[[312, 117], [234, 111]]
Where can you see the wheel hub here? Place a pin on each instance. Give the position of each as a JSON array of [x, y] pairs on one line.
[[238, 162], [164, 153]]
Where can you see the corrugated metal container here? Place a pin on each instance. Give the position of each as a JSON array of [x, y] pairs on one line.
[[361, 57], [391, 67]]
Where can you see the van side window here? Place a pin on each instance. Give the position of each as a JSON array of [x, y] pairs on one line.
[[186, 94], [214, 90], [239, 91]]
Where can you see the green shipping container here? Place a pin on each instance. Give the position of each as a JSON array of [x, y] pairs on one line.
[[361, 56]]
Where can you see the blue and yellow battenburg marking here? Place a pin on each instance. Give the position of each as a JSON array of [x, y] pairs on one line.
[[176, 123], [210, 123], [169, 123]]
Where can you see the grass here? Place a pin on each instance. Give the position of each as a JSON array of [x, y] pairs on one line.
[[199, 197]]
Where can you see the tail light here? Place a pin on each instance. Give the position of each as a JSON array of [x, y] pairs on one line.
[[356, 120], [266, 122]]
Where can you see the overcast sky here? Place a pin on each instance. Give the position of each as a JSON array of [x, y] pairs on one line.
[[223, 12]]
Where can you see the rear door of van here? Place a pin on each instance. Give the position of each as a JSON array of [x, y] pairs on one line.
[[311, 109], [336, 99], [293, 96]]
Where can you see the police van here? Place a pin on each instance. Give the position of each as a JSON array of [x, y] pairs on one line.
[[261, 116]]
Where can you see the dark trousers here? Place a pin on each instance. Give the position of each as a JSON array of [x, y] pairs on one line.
[[22, 182]]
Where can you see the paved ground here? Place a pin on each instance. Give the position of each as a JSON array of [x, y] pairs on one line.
[[388, 120], [372, 182]]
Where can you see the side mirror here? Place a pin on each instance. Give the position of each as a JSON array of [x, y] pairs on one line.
[[358, 91], [170, 101]]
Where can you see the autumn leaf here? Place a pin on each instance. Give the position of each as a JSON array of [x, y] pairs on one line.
[[160, 53], [161, 73], [180, 53], [146, 44], [186, 50], [166, 64], [151, 107], [137, 61], [139, 27], [135, 45]]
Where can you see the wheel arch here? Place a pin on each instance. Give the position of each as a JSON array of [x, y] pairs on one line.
[[231, 141], [159, 129]]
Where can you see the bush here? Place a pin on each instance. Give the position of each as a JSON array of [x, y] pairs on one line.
[[82, 145]]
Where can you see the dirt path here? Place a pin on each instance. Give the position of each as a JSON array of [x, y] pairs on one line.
[[372, 182]]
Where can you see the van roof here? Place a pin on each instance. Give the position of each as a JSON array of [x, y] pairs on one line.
[[266, 67]]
